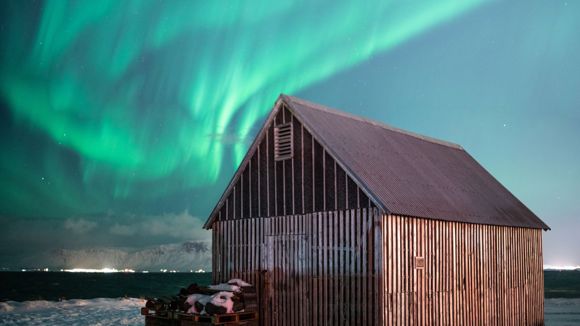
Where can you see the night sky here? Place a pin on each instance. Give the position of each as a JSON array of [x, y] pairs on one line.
[[121, 122]]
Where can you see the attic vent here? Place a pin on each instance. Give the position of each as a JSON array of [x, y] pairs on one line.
[[283, 146]]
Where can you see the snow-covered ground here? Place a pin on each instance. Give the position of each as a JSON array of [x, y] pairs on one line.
[[126, 312], [73, 312]]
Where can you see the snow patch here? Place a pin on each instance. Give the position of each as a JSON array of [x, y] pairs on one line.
[[223, 299], [197, 297], [238, 282], [225, 287], [99, 311]]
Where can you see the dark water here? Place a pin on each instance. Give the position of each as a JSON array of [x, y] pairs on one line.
[[22, 286], [564, 284]]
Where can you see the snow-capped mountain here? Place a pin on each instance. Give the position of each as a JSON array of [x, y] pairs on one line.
[[191, 255]]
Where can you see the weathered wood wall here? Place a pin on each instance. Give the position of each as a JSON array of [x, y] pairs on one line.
[[321, 253], [310, 181], [358, 267], [473, 274], [319, 268]]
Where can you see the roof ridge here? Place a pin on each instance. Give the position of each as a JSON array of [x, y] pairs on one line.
[[320, 107]]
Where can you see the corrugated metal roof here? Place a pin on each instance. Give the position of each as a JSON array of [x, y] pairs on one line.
[[413, 175]]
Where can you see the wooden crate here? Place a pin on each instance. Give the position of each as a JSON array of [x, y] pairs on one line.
[[152, 320], [238, 318]]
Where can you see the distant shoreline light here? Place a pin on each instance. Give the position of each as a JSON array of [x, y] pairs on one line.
[[102, 270], [561, 268]]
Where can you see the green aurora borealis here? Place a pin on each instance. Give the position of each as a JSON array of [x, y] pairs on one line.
[[121, 122], [155, 98]]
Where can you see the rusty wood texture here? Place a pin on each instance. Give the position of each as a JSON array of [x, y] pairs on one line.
[[472, 275], [310, 269], [321, 253], [358, 267], [311, 180]]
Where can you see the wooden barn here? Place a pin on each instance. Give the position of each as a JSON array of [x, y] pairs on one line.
[[340, 220]]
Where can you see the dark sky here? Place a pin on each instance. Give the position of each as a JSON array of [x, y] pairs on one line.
[[122, 122]]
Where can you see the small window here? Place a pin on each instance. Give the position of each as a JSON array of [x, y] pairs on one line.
[[283, 146], [419, 262]]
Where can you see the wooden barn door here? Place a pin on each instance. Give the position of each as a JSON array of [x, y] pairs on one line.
[[286, 280]]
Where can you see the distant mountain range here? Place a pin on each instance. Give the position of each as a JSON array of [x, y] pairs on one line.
[[191, 255], [183, 257], [561, 268]]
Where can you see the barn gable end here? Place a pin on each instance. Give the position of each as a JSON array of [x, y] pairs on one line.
[[311, 180]]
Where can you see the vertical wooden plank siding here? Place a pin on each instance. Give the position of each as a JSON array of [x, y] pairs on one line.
[[319, 271], [472, 275], [321, 253], [310, 181], [358, 267]]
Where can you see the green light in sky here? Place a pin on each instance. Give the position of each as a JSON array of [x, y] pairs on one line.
[[153, 95]]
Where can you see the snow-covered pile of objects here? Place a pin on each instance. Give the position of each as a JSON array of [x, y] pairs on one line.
[[228, 300], [224, 298]]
